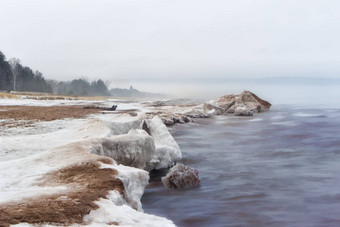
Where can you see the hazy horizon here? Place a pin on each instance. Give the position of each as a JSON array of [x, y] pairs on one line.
[[186, 48]]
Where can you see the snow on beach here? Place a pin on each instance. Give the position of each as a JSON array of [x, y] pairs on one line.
[[45, 173]]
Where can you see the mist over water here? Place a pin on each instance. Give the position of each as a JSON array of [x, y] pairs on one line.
[[314, 93], [274, 169]]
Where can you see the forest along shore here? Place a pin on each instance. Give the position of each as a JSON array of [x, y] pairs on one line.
[[89, 166]]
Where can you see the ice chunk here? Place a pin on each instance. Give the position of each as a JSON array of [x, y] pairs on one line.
[[134, 180], [134, 149], [167, 150], [123, 123]]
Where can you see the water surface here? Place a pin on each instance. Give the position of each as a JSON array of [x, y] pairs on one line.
[[280, 168]]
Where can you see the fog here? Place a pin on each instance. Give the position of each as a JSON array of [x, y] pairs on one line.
[[190, 48], [309, 95]]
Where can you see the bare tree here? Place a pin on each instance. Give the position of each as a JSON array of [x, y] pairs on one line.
[[107, 83], [14, 62]]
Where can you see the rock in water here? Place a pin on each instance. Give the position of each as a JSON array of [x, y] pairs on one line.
[[244, 104], [180, 177]]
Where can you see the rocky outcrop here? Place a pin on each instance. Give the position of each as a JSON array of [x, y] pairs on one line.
[[197, 112], [244, 104], [181, 177]]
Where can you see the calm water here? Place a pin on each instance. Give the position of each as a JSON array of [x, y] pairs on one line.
[[280, 168]]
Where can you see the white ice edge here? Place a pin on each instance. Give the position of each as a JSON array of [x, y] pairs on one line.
[[20, 173]]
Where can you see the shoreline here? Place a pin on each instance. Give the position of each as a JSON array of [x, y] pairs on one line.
[[96, 135]]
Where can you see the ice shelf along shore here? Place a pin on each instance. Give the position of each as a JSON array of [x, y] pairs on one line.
[[93, 171]]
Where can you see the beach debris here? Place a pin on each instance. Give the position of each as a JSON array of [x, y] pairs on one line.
[[181, 177], [112, 108], [133, 114]]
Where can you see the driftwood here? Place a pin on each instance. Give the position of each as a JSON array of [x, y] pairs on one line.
[[112, 108]]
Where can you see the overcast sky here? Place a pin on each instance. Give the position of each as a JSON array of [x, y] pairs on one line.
[[131, 40]]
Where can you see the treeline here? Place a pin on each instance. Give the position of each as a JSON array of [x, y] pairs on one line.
[[132, 92], [16, 77], [80, 87]]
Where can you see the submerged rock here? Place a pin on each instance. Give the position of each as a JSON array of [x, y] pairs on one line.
[[181, 177]]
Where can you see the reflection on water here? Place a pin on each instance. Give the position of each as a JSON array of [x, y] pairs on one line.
[[280, 168]]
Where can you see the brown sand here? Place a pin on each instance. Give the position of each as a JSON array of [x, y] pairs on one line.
[[44, 113], [88, 182]]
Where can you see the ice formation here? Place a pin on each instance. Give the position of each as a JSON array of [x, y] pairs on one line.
[[151, 148], [123, 123], [113, 211], [71, 147], [135, 149], [167, 150]]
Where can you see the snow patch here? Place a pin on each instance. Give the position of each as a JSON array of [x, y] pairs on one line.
[[121, 214]]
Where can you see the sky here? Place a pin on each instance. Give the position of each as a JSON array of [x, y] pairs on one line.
[[178, 42]]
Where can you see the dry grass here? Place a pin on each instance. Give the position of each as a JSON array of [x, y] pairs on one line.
[[49, 96], [89, 183], [4, 95]]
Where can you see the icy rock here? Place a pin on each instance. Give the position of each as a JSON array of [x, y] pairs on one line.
[[167, 151], [243, 111], [220, 105], [168, 122], [185, 119], [244, 104], [134, 149], [196, 112], [181, 176]]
